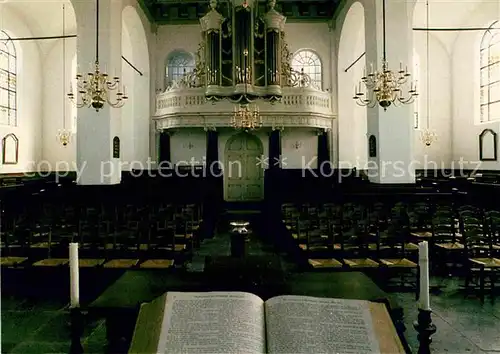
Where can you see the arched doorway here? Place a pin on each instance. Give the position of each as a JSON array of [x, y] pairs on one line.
[[243, 174]]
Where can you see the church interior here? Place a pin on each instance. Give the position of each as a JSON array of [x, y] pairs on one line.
[[305, 147]]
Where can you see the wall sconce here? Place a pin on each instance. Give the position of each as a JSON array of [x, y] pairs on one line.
[[297, 145], [189, 146]]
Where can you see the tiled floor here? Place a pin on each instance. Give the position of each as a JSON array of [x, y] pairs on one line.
[[40, 324]]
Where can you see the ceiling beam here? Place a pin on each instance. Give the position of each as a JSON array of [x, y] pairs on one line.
[[164, 12]]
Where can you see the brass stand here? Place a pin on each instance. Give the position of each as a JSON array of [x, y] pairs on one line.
[[76, 318], [425, 329]]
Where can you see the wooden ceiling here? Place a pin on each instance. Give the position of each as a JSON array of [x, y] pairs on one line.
[[163, 12]]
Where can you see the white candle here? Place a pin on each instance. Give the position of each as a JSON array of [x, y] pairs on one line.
[[423, 262], [74, 275]]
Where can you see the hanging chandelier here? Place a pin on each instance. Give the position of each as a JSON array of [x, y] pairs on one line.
[[246, 118], [63, 135], [427, 136], [385, 87], [96, 88]]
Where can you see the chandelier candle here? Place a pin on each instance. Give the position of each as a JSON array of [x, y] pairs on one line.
[[423, 262], [74, 275]]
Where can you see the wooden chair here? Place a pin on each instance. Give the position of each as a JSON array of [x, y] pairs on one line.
[[14, 239], [161, 249], [482, 263], [446, 248], [355, 248], [394, 253]]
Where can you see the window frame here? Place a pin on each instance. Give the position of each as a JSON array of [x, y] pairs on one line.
[[486, 82], [180, 67], [318, 63], [11, 73]]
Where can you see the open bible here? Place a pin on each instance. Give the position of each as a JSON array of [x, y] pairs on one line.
[[238, 322]]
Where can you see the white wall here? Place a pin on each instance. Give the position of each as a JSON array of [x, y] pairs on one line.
[[188, 146], [299, 146], [127, 136], [465, 83], [438, 97], [454, 80], [299, 149], [352, 118], [56, 103], [41, 95], [454, 106], [136, 113], [29, 96]]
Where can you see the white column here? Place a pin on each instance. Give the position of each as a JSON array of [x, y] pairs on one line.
[[392, 128], [334, 151], [96, 130]]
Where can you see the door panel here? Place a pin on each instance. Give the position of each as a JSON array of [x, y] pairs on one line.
[[242, 175]]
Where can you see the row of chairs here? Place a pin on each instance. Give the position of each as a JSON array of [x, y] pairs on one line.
[[352, 237], [466, 240], [359, 236], [125, 236]]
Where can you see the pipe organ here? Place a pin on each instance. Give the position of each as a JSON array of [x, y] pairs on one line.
[[242, 52]]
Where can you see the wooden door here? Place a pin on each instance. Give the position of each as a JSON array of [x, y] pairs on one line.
[[243, 175]]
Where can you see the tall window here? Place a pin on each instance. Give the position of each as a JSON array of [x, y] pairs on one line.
[[311, 64], [8, 63], [178, 64], [490, 74]]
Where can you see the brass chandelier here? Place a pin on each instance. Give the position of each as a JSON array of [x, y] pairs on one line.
[[385, 87], [245, 117], [95, 88], [64, 135]]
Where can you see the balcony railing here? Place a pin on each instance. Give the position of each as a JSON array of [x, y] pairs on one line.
[[188, 101]]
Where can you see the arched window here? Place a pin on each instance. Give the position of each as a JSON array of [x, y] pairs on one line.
[[311, 64], [8, 80], [490, 74], [178, 64]]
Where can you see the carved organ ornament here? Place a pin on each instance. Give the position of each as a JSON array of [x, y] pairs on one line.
[[243, 56]]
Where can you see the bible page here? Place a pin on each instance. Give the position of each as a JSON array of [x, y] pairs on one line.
[[300, 324], [213, 322]]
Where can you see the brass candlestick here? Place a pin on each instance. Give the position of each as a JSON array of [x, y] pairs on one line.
[[425, 329]]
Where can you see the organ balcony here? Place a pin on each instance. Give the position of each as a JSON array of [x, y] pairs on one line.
[[243, 59]]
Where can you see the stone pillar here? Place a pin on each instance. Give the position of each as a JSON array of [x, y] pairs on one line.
[[323, 148], [275, 149], [214, 192], [164, 153], [393, 128], [212, 153], [96, 130]]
